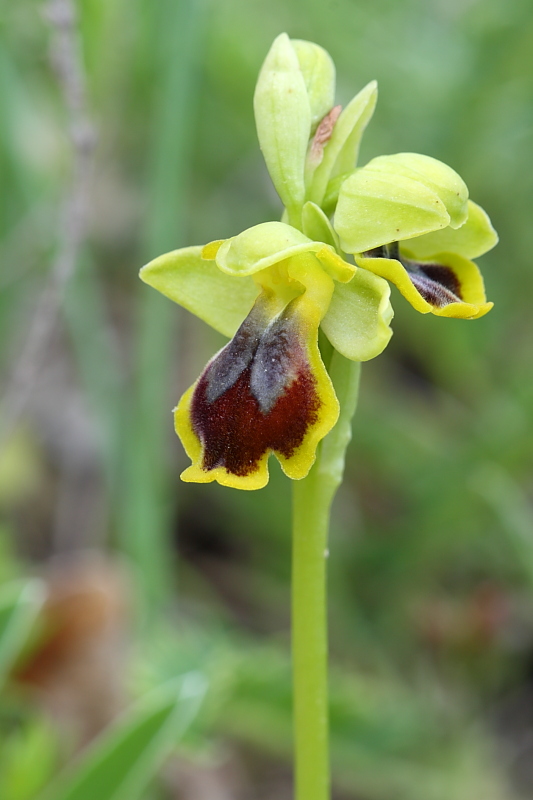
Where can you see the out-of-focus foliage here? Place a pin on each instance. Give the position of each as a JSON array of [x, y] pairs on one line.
[[126, 758], [431, 554]]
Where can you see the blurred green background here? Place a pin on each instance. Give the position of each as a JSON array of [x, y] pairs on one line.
[[118, 578]]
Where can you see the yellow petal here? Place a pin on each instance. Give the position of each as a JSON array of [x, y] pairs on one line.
[[358, 317], [269, 243]]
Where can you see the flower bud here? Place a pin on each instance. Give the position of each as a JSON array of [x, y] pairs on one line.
[[283, 118], [318, 71]]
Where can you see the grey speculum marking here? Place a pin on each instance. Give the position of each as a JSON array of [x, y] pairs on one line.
[[272, 351], [274, 366], [233, 359]]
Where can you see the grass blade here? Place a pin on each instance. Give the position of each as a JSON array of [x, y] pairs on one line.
[[122, 761], [20, 604]]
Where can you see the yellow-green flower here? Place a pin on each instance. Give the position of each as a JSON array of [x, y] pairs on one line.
[[406, 218], [268, 390]]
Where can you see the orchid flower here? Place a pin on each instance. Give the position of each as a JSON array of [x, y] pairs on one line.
[[268, 390], [407, 217], [272, 286]]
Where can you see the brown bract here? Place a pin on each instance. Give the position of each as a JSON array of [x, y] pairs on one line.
[[323, 134]]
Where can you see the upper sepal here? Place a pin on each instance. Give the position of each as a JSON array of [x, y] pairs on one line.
[[318, 72], [394, 198], [374, 210]]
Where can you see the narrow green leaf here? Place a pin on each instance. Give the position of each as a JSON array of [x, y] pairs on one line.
[[122, 761], [28, 759], [147, 495], [20, 603]]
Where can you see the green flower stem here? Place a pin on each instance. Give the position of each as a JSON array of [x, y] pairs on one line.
[[311, 506], [312, 499]]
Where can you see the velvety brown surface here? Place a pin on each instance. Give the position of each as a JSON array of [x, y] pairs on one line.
[[236, 433], [436, 283]]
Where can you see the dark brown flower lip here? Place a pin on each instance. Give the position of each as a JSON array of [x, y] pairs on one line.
[[256, 396], [436, 283]]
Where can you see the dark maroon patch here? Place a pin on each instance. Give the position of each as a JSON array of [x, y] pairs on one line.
[[269, 405], [436, 283], [443, 275]]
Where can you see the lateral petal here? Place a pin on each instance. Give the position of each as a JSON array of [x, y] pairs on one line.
[[270, 243], [340, 153], [260, 247], [357, 321]]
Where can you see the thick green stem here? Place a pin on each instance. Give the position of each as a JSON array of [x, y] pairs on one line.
[[312, 498]]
